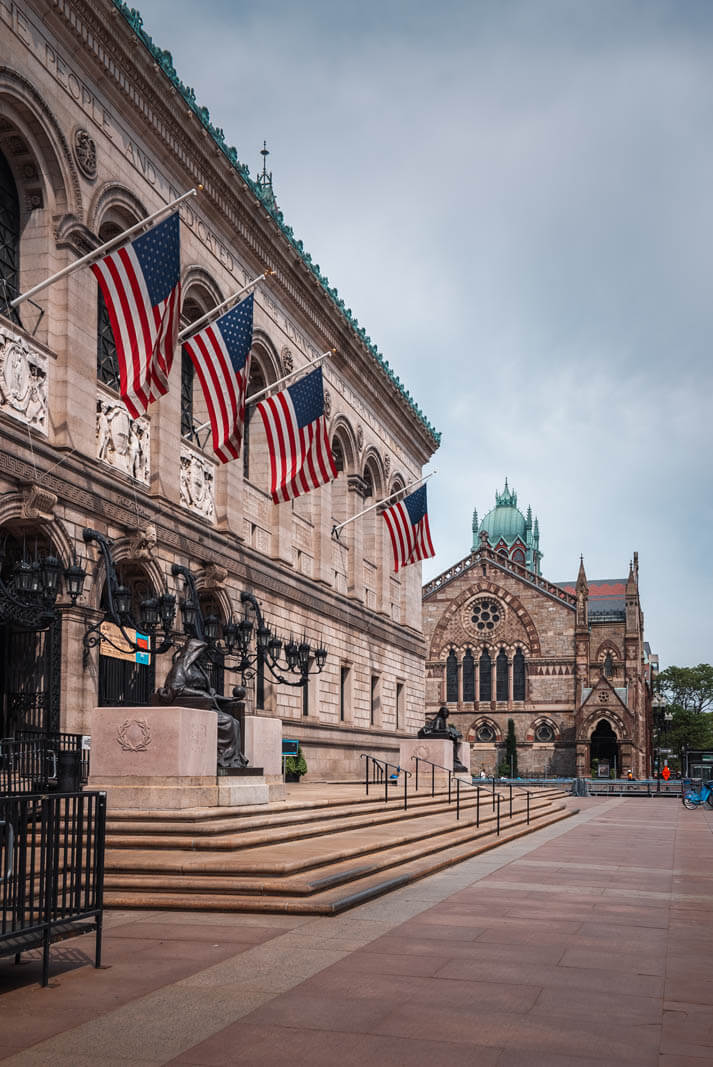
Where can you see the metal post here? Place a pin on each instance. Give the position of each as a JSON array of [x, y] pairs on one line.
[[477, 805], [528, 808], [433, 781], [493, 793], [417, 773], [449, 787], [511, 800], [366, 764], [386, 784], [499, 814], [457, 798], [405, 790]]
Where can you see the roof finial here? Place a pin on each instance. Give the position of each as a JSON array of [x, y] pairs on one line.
[[264, 181]]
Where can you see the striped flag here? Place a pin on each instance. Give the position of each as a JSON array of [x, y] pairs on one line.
[[296, 428], [141, 285], [407, 522], [221, 356]]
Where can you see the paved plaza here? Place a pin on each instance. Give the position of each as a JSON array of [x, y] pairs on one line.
[[587, 943]]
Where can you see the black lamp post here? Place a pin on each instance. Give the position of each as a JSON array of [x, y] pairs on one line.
[[281, 658], [155, 611], [30, 593]]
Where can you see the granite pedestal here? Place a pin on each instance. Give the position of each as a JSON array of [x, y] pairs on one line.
[[438, 751]]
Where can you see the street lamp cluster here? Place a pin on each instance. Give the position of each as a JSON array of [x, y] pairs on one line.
[[30, 592]]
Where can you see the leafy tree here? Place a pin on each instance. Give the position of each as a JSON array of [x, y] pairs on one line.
[[689, 688], [689, 730]]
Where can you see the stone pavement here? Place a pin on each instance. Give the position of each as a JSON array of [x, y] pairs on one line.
[[586, 943]]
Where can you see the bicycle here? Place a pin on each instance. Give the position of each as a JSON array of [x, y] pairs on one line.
[[696, 798]]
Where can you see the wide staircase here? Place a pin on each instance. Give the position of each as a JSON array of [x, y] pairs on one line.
[[323, 850]]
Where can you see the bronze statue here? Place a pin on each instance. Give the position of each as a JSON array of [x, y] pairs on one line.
[[438, 728], [187, 685]]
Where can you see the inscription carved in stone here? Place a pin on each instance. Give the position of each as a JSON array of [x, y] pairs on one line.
[[197, 483], [85, 153], [122, 442], [23, 381]]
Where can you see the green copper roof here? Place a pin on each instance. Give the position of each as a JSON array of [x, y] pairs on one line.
[[165, 62], [505, 520]]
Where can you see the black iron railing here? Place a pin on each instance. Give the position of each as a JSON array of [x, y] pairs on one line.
[[379, 771], [51, 871], [495, 798], [38, 762]]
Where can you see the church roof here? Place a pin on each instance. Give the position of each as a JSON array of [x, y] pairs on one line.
[[505, 521], [607, 596], [264, 193]]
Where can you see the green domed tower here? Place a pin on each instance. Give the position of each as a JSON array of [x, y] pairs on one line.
[[509, 532]]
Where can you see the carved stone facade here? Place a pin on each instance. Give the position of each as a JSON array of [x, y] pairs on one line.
[[197, 483], [86, 163], [559, 659], [122, 442], [23, 380]]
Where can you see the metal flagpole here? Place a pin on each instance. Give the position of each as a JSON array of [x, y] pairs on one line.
[[256, 396], [379, 503], [193, 327], [102, 248]]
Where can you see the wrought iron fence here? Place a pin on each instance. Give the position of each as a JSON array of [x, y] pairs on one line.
[[51, 871], [38, 762]]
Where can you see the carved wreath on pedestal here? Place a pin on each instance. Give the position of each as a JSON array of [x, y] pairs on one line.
[[134, 735]]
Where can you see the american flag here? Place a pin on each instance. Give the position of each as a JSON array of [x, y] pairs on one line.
[[141, 285], [407, 522], [300, 456], [221, 356]]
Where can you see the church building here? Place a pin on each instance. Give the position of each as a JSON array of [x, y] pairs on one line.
[[566, 661]]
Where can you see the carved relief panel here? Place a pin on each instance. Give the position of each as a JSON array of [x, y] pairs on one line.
[[197, 483], [122, 442], [23, 381]]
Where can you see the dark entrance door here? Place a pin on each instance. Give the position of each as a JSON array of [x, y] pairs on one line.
[[604, 745], [30, 674]]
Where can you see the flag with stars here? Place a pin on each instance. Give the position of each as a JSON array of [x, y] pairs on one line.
[[221, 356], [296, 428], [141, 285], [407, 523]]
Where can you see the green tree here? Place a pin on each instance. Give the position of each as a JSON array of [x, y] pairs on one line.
[[689, 688], [690, 730]]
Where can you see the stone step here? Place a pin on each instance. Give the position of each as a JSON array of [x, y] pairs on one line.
[[324, 897], [255, 833], [302, 853]]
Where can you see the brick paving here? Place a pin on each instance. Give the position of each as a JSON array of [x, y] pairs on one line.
[[588, 942]]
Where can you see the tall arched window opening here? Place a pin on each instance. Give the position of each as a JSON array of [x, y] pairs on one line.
[[194, 411], [485, 675], [468, 676], [501, 676], [608, 665], [256, 383], [9, 240], [452, 678], [518, 676], [107, 359]]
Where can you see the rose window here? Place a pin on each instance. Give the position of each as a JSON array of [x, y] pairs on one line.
[[485, 733], [486, 614], [544, 732]]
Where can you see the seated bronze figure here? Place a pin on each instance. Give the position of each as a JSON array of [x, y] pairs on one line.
[[188, 685], [438, 729]]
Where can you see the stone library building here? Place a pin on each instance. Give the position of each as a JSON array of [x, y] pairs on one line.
[[566, 661], [100, 512]]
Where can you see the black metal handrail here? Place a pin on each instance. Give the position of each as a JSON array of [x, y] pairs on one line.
[[496, 797], [380, 774]]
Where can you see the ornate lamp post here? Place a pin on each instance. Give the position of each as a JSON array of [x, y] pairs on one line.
[[155, 611], [282, 658], [30, 593]]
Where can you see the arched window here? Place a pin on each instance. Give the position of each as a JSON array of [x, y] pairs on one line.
[[501, 676], [608, 665], [127, 681], [518, 556], [107, 359], [485, 675], [194, 412], [518, 676], [452, 678], [485, 733], [544, 732], [256, 383], [9, 240], [468, 676]]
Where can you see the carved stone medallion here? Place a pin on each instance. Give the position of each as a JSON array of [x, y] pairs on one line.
[[197, 483], [134, 735], [327, 403], [122, 442], [387, 465], [23, 381], [85, 153], [360, 437], [287, 359]]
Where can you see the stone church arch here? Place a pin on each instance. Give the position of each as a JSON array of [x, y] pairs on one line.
[[449, 630]]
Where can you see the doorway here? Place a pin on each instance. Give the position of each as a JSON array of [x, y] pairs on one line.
[[604, 745]]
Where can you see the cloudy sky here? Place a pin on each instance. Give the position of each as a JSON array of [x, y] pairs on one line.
[[519, 192]]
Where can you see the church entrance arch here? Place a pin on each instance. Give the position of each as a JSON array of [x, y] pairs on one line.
[[604, 746]]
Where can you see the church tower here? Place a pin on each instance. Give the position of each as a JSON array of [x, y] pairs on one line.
[[509, 533]]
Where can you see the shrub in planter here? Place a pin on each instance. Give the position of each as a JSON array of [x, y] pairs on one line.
[[295, 766]]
